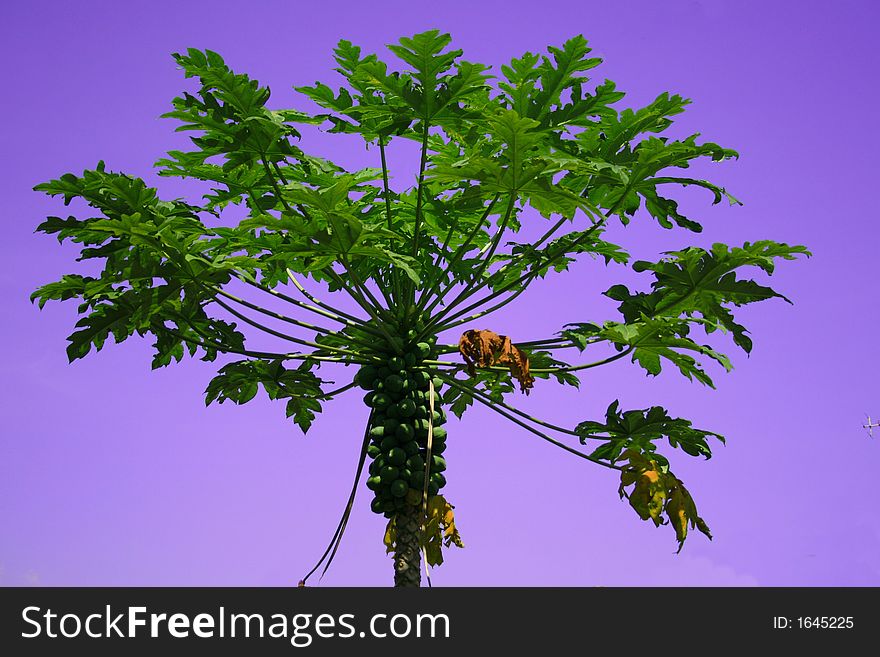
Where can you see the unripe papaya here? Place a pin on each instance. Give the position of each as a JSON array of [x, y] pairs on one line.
[[395, 383], [397, 456], [389, 473], [399, 488], [381, 400], [406, 408], [404, 432]]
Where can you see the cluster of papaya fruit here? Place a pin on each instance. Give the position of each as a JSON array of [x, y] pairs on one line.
[[399, 394]]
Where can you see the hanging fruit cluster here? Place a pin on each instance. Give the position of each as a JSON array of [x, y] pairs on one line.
[[399, 394]]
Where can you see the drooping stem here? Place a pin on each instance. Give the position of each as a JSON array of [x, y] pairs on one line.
[[319, 308], [284, 336], [454, 383], [330, 552], [208, 343], [338, 314]]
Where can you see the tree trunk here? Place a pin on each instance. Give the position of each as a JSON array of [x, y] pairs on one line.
[[406, 548]]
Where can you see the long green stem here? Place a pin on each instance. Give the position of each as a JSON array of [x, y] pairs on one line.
[[395, 279], [417, 228], [207, 343], [380, 324], [516, 411], [271, 313], [538, 370], [274, 185], [350, 320], [538, 433], [521, 282], [358, 283], [423, 162], [461, 250], [284, 336], [492, 244]]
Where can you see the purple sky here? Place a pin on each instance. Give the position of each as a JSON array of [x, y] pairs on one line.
[[113, 475]]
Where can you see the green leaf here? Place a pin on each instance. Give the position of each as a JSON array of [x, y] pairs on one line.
[[240, 381], [639, 429]]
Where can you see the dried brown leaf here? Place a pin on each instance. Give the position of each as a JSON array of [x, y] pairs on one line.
[[485, 348]]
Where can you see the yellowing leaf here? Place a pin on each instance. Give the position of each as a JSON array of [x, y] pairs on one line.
[[657, 491], [440, 529]]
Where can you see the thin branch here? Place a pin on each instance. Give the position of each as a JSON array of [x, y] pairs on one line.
[[516, 411], [423, 162], [322, 308], [284, 336], [537, 370], [540, 434], [343, 521], [275, 185], [272, 313], [461, 250], [523, 281], [351, 320]]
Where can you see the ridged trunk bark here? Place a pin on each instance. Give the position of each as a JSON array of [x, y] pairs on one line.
[[407, 571]]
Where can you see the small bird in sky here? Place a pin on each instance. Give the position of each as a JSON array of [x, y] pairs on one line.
[[870, 426]]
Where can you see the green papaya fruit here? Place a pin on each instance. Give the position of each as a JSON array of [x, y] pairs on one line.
[[381, 400], [405, 432], [395, 383], [406, 408], [399, 488], [396, 457]]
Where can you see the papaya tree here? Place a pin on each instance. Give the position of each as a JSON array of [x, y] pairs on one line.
[[537, 150]]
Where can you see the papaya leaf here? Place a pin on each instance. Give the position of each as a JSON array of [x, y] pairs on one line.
[[655, 492], [639, 429], [239, 382]]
